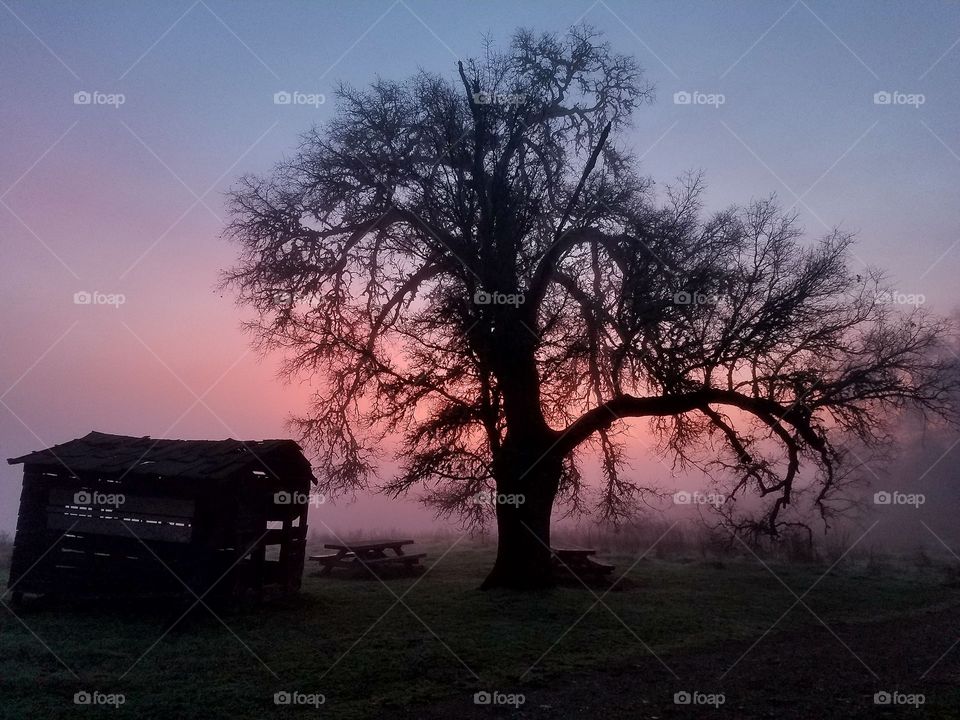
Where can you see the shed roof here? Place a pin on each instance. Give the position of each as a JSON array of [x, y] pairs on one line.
[[188, 459]]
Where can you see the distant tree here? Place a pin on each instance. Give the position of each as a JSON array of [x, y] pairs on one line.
[[476, 266]]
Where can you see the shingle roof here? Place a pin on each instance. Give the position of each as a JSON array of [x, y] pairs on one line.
[[190, 459]]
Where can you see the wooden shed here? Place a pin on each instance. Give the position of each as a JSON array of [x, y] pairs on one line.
[[111, 514]]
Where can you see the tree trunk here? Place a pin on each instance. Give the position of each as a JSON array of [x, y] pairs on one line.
[[527, 484]]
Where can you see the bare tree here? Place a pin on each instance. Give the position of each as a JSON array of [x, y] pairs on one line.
[[474, 265]]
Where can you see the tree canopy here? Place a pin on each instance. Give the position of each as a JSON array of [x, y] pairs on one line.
[[475, 263]]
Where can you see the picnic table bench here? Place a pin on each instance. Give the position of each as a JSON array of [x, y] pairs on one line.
[[367, 554], [579, 562]]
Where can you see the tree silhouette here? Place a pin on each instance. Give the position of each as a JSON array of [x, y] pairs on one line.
[[476, 266]]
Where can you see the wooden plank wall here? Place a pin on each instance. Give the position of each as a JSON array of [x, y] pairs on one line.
[[66, 546]]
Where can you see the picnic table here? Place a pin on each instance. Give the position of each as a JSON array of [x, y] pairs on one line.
[[368, 554], [579, 562]]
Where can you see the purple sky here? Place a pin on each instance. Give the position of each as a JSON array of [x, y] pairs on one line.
[[127, 199]]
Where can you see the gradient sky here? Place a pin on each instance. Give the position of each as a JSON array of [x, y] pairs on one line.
[[129, 199]]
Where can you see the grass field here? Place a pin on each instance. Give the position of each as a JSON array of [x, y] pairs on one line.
[[422, 646]]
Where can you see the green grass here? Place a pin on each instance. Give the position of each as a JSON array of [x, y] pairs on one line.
[[322, 641]]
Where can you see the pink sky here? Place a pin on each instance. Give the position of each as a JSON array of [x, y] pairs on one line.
[[128, 200]]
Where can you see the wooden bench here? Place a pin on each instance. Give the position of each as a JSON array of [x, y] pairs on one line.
[[367, 554], [331, 560], [332, 556], [578, 561], [396, 560]]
